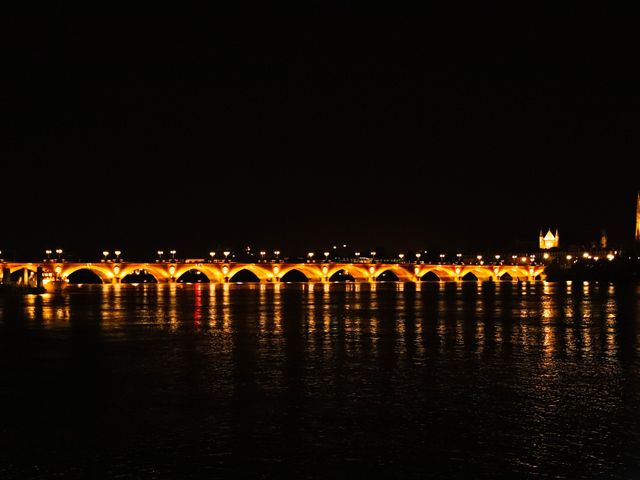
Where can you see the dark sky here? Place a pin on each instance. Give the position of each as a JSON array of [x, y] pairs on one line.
[[397, 129]]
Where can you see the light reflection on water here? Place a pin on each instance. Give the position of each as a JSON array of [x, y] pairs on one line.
[[532, 379]]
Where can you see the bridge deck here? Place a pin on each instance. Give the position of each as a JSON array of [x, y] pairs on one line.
[[221, 272]]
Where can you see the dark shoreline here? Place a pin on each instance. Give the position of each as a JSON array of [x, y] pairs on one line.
[[611, 271]]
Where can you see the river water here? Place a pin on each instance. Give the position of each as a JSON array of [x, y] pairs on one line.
[[322, 381]]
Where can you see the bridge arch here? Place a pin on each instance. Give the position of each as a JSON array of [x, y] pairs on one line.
[[244, 275], [443, 274], [482, 273], [156, 272], [430, 276], [105, 274], [22, 273], [469, 276], [402, 273], [313, 273], [358, 273], [26, 266], [193, 275], [84, 276], [262, 273], [212, 274]]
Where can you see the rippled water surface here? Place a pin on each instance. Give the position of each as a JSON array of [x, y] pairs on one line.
[[322, 381]]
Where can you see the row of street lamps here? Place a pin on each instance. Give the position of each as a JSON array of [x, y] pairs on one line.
[[58, 252], [310, 256]]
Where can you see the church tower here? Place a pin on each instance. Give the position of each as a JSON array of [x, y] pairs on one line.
[[549, 240]]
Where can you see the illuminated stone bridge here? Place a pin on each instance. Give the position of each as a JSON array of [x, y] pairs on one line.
[[222, 272]]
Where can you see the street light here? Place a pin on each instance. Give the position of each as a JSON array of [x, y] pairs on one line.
[[212, 254], [160, 252], [418, 255], [310, 255], [479, 257], [569, 257], [48, 252], [357, 255], [373, 257], [106, 254], [326, 256], [401, 256], [262, 254], [173, 254], [59, 252], [226, 255], [117, 252], [441, 257], [277, 253]]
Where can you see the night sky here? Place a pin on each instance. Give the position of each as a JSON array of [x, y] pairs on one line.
[[297, 132]]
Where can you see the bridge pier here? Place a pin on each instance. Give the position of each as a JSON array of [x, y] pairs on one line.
[[6, 275]]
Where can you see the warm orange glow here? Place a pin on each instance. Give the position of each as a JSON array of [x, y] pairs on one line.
[[167, 272]]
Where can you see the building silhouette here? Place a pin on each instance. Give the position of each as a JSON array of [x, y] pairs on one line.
[[549, 240]]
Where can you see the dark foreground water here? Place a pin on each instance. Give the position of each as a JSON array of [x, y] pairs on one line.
[[324, 381]]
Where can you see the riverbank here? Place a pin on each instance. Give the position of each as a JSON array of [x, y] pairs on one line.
[[605, 270]]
